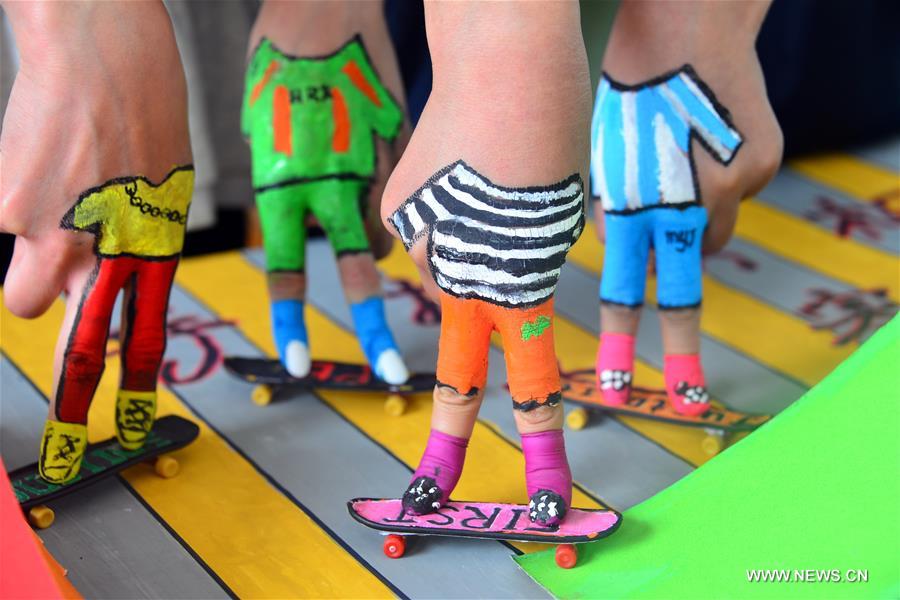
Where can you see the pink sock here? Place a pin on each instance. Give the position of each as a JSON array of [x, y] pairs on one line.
[[438, 473], [547, 470], [615, 364], [685, 383]]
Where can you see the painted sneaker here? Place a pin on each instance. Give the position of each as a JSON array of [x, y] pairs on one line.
[[614, 366], [546, 508], [690, 400], [62, 448], [390, 367], [423, 496], [135, 412], [296, 359]]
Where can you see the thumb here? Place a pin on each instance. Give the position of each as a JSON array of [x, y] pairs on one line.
[[39, 272]]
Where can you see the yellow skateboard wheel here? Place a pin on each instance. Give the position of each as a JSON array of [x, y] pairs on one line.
[[395, 405], [166, 467], [41, 517], [261, 395], [712, 444], [577, 418]]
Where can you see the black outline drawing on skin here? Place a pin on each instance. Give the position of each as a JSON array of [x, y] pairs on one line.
[[68, 223], [505, 244], [357, 37], [723, 112], [470, 223]]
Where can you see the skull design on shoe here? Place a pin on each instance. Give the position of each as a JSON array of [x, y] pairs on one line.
[[614, 379], [692, 394], [546, 508], [423, 496]]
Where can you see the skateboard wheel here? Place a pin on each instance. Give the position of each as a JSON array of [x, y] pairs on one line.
[[566, 556], [394, 546], [41, 517], [577, 418], [713, 444], [166, 467], [261, 395], [395, 405]]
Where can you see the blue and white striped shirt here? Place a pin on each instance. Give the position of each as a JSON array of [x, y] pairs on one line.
[[641, 140]]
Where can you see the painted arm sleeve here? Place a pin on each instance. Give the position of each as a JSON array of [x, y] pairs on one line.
[[259, 72], [90, 210], [706, 117], [385, 114], [245, 118], [597, 175]]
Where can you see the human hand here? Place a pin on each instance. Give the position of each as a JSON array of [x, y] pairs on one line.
[[650, 39], [100, 94], [319, 29]]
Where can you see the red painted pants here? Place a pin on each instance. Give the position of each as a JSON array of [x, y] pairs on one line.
[[143, 335]]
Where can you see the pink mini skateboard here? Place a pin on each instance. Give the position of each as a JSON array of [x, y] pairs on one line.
[[487, 520]]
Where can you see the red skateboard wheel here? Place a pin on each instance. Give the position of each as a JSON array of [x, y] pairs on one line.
[[566, 556], [394, 546]]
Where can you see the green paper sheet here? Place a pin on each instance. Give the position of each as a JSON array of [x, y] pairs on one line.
[[816, 488]]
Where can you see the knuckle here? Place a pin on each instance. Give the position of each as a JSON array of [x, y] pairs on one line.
[[447, 395], [540, 415]]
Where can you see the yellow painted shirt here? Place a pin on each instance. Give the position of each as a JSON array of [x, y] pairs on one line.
[[131, 216]]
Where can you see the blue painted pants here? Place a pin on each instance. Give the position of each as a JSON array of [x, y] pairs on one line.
[[676, 236]]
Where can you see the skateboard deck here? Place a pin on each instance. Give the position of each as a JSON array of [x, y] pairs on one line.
[[325, 375], [104, 459], [645, 403], [487, 520]]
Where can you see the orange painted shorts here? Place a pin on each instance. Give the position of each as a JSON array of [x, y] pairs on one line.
[[531, 368]]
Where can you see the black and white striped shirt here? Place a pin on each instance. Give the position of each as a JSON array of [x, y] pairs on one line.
[[502, 245]]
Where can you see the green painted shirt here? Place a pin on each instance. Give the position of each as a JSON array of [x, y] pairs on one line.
[[315, 118]]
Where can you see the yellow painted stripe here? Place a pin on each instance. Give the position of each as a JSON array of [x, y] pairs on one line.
[[494, 469], [841, 259], [256, 540], [781, 341], [850, 175]]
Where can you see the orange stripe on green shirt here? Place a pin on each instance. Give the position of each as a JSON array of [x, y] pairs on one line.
[[281, 119], [340, 142], [261, 84], [351, 69]]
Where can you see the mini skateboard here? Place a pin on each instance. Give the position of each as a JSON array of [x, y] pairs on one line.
[[270, 377], [101, 460], [485, 520], [580, 388]]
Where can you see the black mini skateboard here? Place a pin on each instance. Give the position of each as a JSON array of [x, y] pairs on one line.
[[101, 460], [270, 376]]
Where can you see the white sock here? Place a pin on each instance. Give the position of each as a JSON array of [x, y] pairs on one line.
[[296, 359], [391, 368]]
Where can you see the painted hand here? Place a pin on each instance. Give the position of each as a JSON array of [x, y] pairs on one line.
[[322, 29], [718, 42], [86, 107]]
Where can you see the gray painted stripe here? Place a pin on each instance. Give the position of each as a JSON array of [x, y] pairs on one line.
[[787, 286], [323, 461], [801, 197], [632, 468], [732, 377], [776, 281], [886, 154], [111, 544]]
